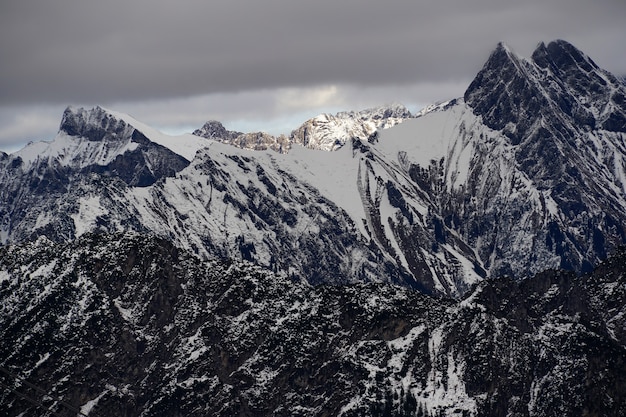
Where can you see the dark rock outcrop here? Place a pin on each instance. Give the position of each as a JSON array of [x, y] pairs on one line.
[[125, 325]]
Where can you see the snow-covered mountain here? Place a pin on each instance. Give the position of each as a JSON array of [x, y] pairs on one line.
[[322, 217], [330, 132], [311, 213], [128, 324], [146, 274], [526, 172], [325, 132], [110, 143], [561, 124]]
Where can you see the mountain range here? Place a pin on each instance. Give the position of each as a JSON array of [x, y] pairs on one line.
[[451, 262]]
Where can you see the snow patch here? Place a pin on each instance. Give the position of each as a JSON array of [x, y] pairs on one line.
[[126, 313], [89, 211], [4, 276], [334, 174], [86, 408], [444, 389], [469, 273], [43, 358]]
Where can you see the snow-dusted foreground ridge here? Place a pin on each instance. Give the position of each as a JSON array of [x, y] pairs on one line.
[[526, 172], [130, 325]]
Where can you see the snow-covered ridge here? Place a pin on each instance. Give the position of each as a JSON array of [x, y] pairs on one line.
[[109, 137], [330, 132], [324, 132], [98, 136], [185, 145], [439, 106]]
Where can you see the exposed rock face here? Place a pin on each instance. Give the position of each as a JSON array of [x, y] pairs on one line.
[[560, 86], [126, 325], [563, 117], [324, 132], [258, 141], [117, 148], [329, 132], [261, 141], [216, 130]]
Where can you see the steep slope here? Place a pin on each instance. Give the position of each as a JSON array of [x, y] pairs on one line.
[[336, 217], [130, 325], [322, 216], [562, 121], [40, 185], [527, 172]]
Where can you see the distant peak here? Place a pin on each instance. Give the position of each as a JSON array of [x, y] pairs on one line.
[[395, 110], [214, 125], [214, 129], [385, 111]]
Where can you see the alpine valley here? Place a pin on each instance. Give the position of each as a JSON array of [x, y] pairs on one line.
[[462, 261]]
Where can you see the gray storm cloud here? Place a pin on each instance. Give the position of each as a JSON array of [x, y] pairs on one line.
[[119, 50], [253, 55]]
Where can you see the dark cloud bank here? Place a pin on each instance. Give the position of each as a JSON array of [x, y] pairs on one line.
[[74, 52]]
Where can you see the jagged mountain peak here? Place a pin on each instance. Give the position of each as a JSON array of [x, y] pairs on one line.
[[386, 111], [330, 132], [560, 55], [102, 141], [86, 137], [502, 57], [495, 92], [581, 88], [214, 129], [503, 49], [93, 124], [558, 89], [502, 61]]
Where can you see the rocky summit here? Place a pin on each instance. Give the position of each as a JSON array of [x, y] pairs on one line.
[[461, 261]]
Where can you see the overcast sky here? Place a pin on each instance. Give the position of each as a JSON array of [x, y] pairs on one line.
[[271, 64]]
